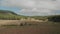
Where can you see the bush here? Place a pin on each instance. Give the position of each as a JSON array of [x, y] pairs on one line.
[[54, 18]]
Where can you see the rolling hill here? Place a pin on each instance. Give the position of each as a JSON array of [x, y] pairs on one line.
[[8, 15], [6, 12]]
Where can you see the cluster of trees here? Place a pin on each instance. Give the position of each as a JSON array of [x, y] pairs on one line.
[[54, 18]]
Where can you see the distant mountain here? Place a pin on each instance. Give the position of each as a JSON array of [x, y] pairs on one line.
[[7, 12]]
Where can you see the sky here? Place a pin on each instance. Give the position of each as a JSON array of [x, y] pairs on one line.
[[31, 7]]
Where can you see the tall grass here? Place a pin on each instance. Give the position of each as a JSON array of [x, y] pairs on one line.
[[9, 17]]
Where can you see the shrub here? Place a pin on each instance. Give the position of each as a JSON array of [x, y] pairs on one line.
[[54, 18]]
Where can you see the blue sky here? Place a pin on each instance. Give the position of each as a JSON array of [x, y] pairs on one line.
[[31, 7]]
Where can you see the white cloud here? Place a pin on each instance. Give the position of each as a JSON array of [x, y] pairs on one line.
[[35, 12], [34, 7]]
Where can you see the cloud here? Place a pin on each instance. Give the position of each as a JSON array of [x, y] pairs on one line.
[[33, 7], [34, 12]]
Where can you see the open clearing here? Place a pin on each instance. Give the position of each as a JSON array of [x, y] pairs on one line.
[[37, 28]]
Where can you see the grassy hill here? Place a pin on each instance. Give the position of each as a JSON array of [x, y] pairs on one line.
[[9, 15], [6, 12]]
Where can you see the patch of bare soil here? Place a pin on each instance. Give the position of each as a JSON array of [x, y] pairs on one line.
[[33, 29]]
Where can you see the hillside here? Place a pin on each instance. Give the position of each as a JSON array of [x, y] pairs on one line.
[[6, 12], [8, 15]]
